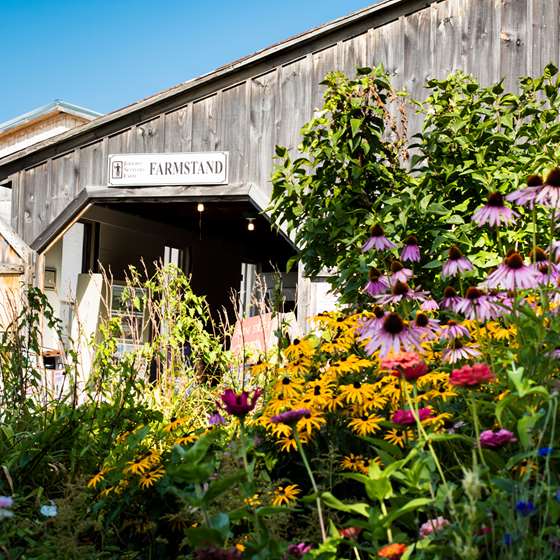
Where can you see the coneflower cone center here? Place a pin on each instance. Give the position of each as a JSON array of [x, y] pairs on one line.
[[378, 312], [422, 320], [455, 253], [473, 293], [538, 254], [495, 200], [449, 292], [393, 324], [514, 261], [400, 288], [457, 344], [377, 231], [374, 275], [553, 178], [534, 181], [411, 240], [396, 266]]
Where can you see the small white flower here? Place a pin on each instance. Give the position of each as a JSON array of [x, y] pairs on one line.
[[49, 511]]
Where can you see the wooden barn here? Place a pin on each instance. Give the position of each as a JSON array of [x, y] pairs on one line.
[[184, 175]]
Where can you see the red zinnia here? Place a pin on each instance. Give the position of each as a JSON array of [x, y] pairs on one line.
[[392, 551], [471, 376], [351, 532], [408, 364], [239, 404]]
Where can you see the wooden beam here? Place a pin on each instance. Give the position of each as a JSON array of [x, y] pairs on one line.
[[14, 240], [10, 268]]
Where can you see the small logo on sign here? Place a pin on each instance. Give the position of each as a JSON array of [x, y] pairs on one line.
[[116, 170]]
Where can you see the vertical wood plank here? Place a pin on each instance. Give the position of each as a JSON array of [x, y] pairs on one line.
[[354, 54], [91, 162], [205, 124], [121, 143], [448, 47], [261, 132], [64, 183], [178, 130], [387, 48], [231, 130], [544, 27], [322, 62], [149, 137], [513, 42]]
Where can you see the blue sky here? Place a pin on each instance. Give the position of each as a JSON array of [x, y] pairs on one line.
[[105, 54]]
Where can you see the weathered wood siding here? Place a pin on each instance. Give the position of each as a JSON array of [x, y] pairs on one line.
[[250, 109]]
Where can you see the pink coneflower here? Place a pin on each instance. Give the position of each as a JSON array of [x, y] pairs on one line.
[[291, 417], [494, 212], [399, 273], [392, 336], [527, 195], [427, 328], [451, 299], [555, 251], [457, 351], [453, 330], [411, 251], [405, 417], [373, 323], [546, 272], [512, 274], [377, 283], [500, 302], [401, 291], [475, 305], [549, 193], [429, 305], [377, 240], [432, 526], [456, 263]]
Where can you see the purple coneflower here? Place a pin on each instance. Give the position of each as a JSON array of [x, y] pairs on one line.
[[456, 263], [549, 193], [512, 274], [392, 336], [458, 351], [401, 291], [411, 251], [529, 193], [429, 305], [239, 404], [475, 305], [399, 272], [373, 323], [377, 240], [494, 212], [555, 251], [377, 283], [451, 299], [291, 417], [216, 419], [453, 330], [427, 328], [546, 272]]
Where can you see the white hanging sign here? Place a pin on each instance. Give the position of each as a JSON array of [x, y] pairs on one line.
[[195, 168]]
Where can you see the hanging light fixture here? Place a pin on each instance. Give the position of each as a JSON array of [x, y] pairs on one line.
[[200, 207], [251, 224]]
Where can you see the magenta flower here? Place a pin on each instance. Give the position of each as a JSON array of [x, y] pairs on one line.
[[427, 328], [411, 251], [453, 330], [475, 305], [512, 274], [377, 283], [377, 240], [298, 550], [401, 291], [495, 440], [429, 305], [527, 195], [432, 526], [549, 193], [392, 336], [405, 417], [291, 417], [457, 351], [239, 404], [494, 213], [216, 419], [451, 299], [399, 273], [456, 263]]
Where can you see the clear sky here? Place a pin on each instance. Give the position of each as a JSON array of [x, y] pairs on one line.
[[105, 54]]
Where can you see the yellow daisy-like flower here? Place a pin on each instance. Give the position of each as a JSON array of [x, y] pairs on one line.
[[253, 501], [339, 343], [438, 421], [356, 392], [355, 463], [285, 495], [138, 465], [365, 425], [186, 439], [442, 392], [97, 478], [350, 364], [288, 388], [262, 366], [149, 478], [299, 348], [319, 395], [280, 430], [376, 402], [298, 367], [399, 437], [279, 403], [289, 444], [333, 403], [174, 423], [311, 422]]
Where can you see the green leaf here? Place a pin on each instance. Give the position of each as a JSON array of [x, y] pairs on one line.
[[360, 508], [408, 507]]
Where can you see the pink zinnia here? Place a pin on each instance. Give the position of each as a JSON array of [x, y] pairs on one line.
[[549, 193], [405, 417], [432, 526], [494, 212], [529, 193], [392, 336], [456, 263], [411, 251], [402, 291], [377, 283], [377, 240], [512, 274], [407, 364], [471, 376], [239, 404], [399, 273], [494, 440]]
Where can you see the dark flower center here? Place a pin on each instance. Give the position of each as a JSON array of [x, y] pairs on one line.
[[514, 261], [317, 391], [341, 319], [449, 292], [534, 181], [553, 178], [374, 274], [357, 385], [538, 254], [377, 231], [296, 341], [495, 200], [378, 312], [457, 344], [473, 293], [396, 266], [455, 253], [422, 320], [393, 323], [411, 240], [285, 381], [451, 323], [400, 288]]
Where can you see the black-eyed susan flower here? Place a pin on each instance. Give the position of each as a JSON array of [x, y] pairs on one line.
[[289, 444], [138, 465], [186, 439], [98, 477], [399, 437], [253, 501], [311, 422], [288, 388], [354, 462], [149, 478], [350, 364], [285, 495], [299, 348], [365, 424], [174, 423], [298, 367], [356, 392]]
